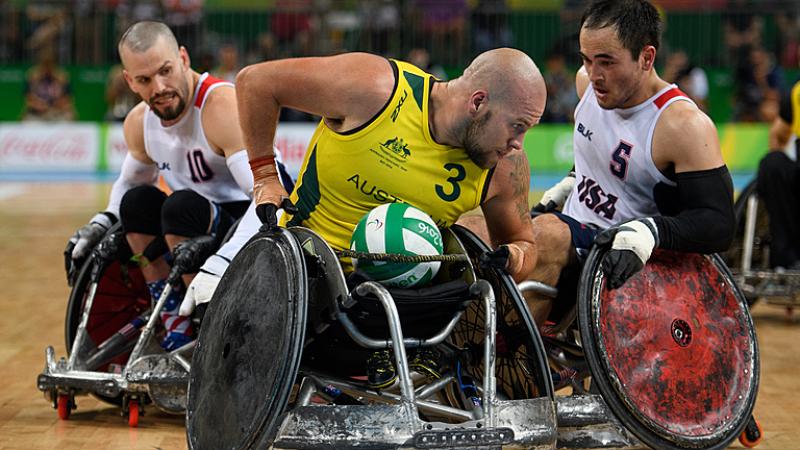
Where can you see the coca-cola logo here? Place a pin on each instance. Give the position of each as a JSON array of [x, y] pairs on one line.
[[51, 148]]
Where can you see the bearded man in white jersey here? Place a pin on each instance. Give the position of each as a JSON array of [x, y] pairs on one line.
[[186, 129], [648, 168]]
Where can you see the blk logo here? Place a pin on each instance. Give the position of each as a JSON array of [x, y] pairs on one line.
[[163, 166], [585, 132]]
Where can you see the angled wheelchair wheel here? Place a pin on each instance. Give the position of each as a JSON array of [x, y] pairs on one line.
[[759, 259], [248, 353], [673, 351], [521, 364], [121, 296]]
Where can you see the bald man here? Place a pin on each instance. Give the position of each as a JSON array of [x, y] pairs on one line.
[[392, 133]]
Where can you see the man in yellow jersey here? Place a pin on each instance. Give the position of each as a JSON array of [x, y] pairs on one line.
[[778, 175], [393, 133]]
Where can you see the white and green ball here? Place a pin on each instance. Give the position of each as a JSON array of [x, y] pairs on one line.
[[397, 228]]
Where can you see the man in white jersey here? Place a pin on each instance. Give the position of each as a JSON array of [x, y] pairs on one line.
[[648, 167], [186, 130]]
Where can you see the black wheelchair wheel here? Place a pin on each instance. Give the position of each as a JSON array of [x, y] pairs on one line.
[[248, 353], [121, 296], [521, 364], [673, 351]]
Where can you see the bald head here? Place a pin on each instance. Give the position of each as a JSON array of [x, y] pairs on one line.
[[142, 36], [507, 74]]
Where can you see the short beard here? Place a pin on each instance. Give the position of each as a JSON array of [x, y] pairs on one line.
[[473, 132], [173, 113]]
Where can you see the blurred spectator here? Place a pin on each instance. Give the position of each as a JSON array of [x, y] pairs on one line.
[[293, 26], [690, 79], [184, 19], [265, 48], [789, 38], [49, 26], [48, 95], [10, 37], [758, 83], [742, 31], [561, 95], [120, 99], [381, 21], [229, 66], [442, 24], [88, 32], [422, 59], [570, 16], [489, 25]]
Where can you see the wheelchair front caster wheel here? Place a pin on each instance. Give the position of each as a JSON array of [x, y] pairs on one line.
[[752, 434], [64, 405], [133, 414]]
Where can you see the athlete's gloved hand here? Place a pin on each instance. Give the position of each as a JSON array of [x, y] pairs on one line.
[[508, 257], [268, 213], [268, 192], [632, 243], [82, 242], [204, 284], [189, 255], [555, 197]]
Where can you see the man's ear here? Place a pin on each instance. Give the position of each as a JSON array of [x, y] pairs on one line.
[[128, 79], [647, 57], [185, 60], [477, 101]]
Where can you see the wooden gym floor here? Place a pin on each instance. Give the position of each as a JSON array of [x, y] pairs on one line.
[[35, 221]]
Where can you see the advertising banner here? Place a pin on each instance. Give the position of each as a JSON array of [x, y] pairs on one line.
[[45, 147]]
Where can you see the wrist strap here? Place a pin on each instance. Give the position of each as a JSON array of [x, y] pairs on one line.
[[257, 163]]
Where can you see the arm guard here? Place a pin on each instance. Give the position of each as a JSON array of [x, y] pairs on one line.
[[706, 224]]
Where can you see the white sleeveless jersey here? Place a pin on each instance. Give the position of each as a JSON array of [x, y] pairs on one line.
[[615, 175], [183, 155]]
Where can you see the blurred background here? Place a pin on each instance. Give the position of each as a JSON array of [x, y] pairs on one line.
[[64, 96]]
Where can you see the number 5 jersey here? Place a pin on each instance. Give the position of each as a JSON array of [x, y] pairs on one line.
[[616, 179]]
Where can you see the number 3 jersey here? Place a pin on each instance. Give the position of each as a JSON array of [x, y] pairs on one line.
[[615, 177], [391, 158], [183, 155]]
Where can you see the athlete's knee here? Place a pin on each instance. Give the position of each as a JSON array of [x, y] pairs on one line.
[[553, 246], [140, 210], [187, 213]]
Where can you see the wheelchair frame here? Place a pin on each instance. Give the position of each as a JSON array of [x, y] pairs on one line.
[[759, 283], [392, 420], [149, 375]]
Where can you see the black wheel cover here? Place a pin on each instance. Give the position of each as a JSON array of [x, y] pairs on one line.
[[248, 352]]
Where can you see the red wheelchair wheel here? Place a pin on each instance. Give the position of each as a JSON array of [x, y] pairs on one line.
[[673, 351], [64, 406]]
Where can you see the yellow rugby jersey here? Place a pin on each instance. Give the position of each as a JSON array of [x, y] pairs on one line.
[[391, 158], [796, 109]]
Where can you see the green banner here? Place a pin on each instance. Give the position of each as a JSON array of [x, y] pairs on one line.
[[549, 147]]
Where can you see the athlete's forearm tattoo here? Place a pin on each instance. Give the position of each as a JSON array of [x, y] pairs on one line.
[[520, 180]]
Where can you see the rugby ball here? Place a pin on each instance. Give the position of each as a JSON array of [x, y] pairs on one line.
[[400, 229]]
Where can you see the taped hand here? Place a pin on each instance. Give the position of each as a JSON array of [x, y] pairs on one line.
[[631, 245], [555, 197], [202, 288]]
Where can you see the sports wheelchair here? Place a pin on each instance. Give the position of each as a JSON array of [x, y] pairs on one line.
[[748, 256], [112, 334], [280, 357]]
